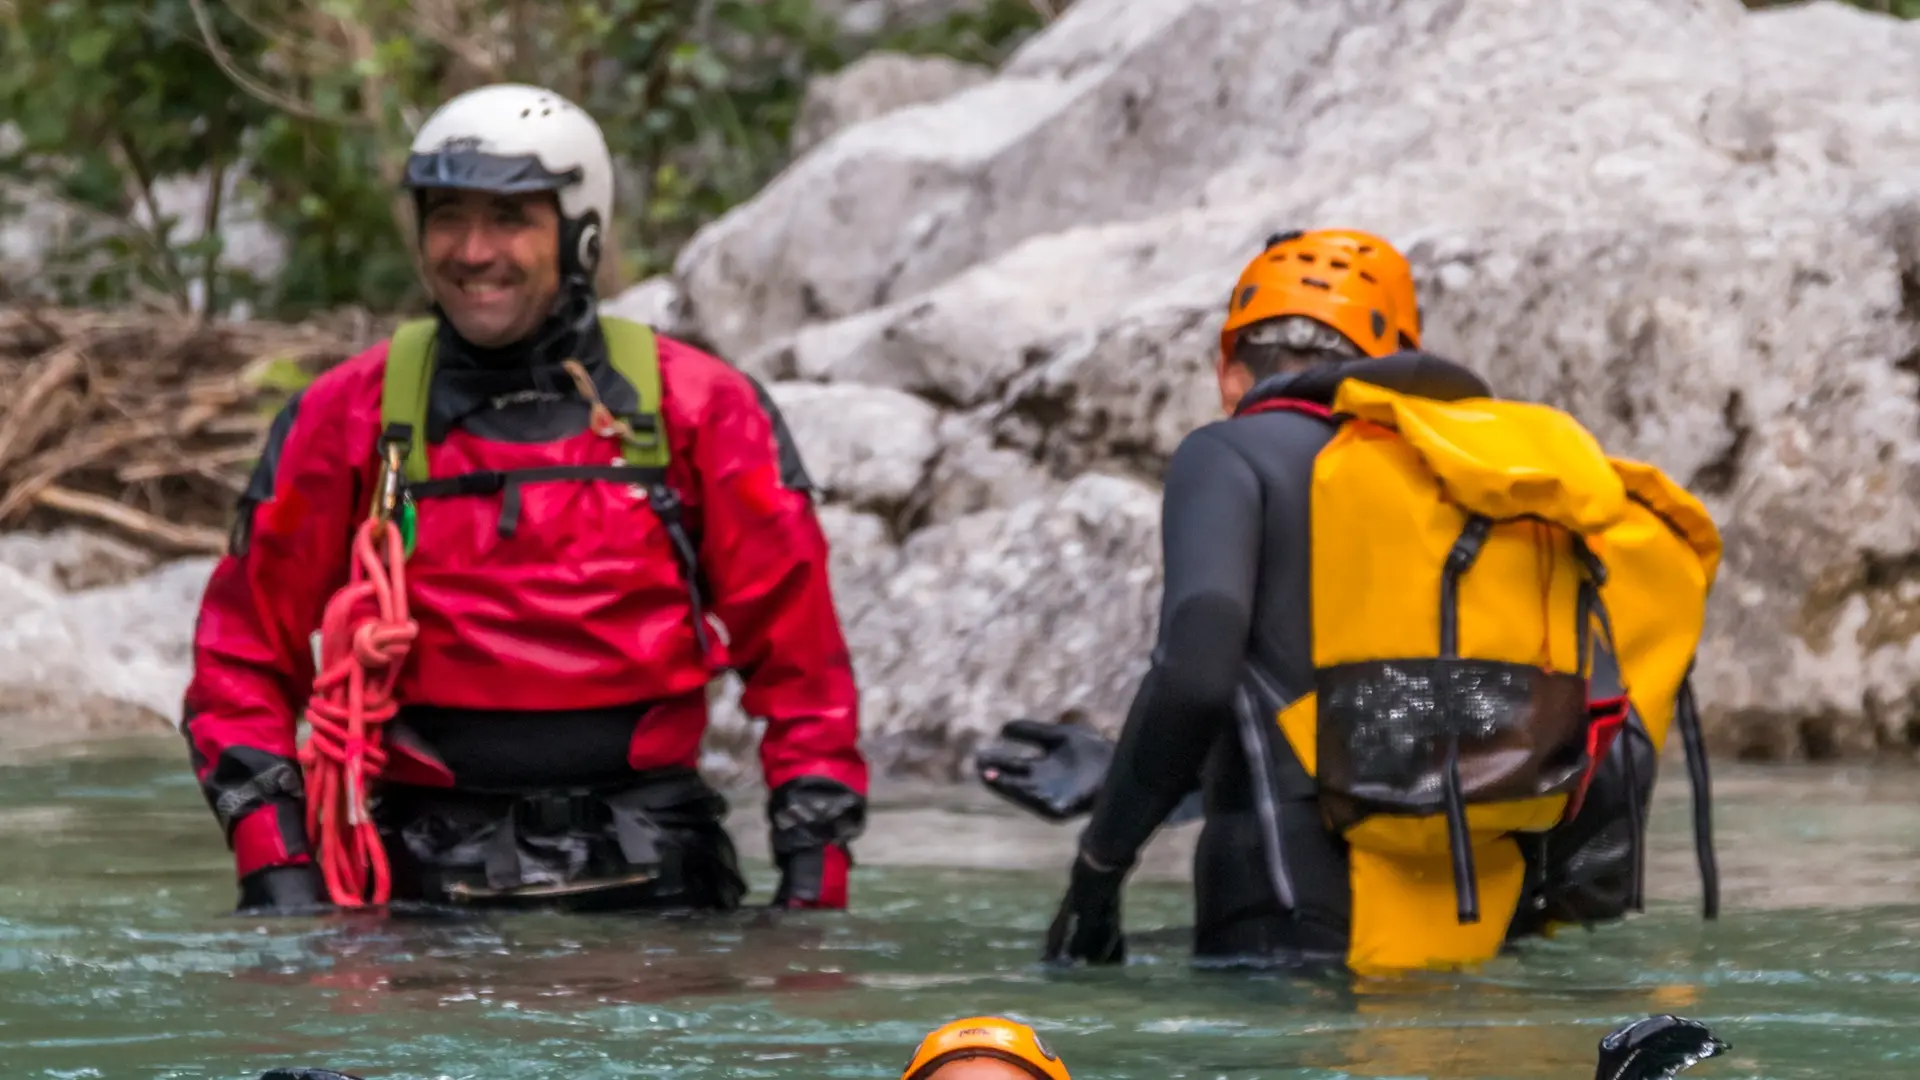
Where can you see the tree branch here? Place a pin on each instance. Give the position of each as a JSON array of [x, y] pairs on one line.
[[391, 153], [144, 179], [310, 51], [210, 233], [246, 82], [431, 20], [194, 538]]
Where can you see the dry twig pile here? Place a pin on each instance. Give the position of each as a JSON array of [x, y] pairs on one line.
[[148, 424]]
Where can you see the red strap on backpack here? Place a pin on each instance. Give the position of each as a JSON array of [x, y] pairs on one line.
[[1311, 408], [1606, 718]]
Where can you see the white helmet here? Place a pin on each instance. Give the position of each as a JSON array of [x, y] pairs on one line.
[[512, 138]]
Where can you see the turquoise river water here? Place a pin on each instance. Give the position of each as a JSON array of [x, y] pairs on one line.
[[118, 958]]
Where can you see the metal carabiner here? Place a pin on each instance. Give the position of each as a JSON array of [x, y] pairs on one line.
[[390, 472]]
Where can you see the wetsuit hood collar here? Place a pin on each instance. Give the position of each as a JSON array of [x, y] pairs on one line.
[[1417, 373], [468, 379]]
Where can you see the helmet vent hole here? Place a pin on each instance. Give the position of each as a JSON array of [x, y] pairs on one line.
[[1246, 294], [1339, 264], [524, 113], [1316, 283], [1305, 258], [1368, 278]]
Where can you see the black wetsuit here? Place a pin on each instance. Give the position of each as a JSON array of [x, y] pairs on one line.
[[1235, 623]]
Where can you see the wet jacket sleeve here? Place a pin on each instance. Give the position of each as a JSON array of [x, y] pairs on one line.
[[765, 557], [1211, 539], [252, 661]]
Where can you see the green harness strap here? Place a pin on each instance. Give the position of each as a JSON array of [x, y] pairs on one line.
[[403, 394], [631, 349], [636, 356]]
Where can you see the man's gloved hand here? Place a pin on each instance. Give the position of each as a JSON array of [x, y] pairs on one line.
[[1056, 771], [283, 890], [1088, 924], [814, 821], [814, 879], [1053, 770]]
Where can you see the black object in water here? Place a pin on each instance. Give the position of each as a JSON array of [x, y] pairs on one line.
[[1656, 1048], [305, 1074]]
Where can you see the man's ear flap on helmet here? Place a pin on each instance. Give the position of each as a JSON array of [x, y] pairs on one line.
[[581, 245]]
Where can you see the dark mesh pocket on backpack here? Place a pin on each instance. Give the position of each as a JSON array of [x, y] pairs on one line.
[[1385, 726]]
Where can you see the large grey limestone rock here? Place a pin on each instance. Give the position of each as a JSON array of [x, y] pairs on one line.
[[1696, 227], [874, 85], [1045, 610], [656, 302], [868, 447]]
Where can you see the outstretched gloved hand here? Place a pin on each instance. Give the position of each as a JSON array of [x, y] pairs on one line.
[[1056, 771], [1087, 926], [283, 890], [1053, 770]]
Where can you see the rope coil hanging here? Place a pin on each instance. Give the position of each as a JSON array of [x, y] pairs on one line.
[[365, 636]]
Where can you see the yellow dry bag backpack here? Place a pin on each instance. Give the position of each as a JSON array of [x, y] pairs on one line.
[[1468, 559]]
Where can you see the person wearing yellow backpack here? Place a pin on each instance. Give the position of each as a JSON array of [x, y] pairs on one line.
[[1419, 649]]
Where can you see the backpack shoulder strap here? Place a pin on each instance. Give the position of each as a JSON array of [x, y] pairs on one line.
[[403, 393], [635, 354]]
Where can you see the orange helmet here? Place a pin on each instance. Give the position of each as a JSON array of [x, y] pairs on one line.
[[985, 1036], [1319, 276], [1390, 268]]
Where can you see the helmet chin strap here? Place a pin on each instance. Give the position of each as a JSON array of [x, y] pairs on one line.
[[577, 303], [576, 307]]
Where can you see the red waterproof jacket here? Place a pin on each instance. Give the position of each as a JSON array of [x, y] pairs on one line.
[[583, 606]]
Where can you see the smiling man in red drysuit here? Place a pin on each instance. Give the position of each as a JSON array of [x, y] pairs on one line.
[[603, 520]]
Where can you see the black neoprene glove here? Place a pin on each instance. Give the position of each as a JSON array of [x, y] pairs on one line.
[[1053, 770], [814, 821], [1656, 1048], [283, 890], [1056, 771], [1087, 926]]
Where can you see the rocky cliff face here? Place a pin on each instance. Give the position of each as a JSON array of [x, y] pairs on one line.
[[1695, 227], [991, 315]]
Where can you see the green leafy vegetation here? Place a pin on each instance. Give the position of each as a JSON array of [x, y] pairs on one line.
[[303, 108]]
